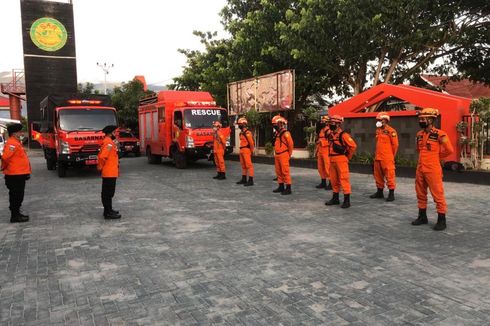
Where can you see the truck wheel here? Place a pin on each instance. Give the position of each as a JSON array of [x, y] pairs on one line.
[[50, 164], [152, 159], [61, 170], [180, 160]]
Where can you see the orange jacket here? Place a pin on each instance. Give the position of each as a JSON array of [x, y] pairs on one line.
[[386, 144], [432, 146], [322, 142], [284, 143], [246, 140], [108, 159], [14, 158], [219, 144], [347, 143]]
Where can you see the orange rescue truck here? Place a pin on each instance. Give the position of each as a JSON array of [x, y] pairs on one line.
[[179, 125], [70, 130]]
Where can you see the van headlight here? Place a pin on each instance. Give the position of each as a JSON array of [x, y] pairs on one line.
[[64, 147], [189, 142]]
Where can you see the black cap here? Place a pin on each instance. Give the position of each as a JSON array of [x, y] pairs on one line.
[[109, 129], [16, 127]]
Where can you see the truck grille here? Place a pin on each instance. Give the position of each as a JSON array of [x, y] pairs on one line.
[[90, 148]]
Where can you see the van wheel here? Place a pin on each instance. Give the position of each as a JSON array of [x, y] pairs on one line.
[[152, 159], [180, 160], [61, 170], [50, 164]]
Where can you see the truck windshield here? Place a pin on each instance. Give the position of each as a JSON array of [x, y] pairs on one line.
[[86, 119], [203, 118]]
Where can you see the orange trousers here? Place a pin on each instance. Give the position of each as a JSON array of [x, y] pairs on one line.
[[433, 181], [323, 162], [281, 162], [246, 162], [339, 176], [384, 170], [219, 160]]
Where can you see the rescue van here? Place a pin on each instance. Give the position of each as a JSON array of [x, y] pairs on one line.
[[70, 131], [178, 125]]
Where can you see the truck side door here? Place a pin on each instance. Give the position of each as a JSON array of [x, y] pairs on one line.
[[161, 129]]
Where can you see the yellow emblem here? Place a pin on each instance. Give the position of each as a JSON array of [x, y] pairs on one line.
[[48, 34]]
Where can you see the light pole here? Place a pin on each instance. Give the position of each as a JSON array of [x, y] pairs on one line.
[[105, 67]]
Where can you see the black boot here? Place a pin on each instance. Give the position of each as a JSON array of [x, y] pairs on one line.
[[322, 184], [250, 182], [279, 189], [287, 191], [441, 222], [16, 217], [422, 219], [346, 203], [335, 199], [243, 181], [329, 186], [222, 176], [378, 194], [112, 215], [217, 176], [391, 195]]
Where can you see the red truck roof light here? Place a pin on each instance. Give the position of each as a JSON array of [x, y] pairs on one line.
[[92, 102]]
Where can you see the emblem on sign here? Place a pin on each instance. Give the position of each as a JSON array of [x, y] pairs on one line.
[[48, 34]]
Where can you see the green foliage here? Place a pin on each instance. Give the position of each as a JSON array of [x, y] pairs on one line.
[[269, 148], [363, 158], [126, 100], [402, 161], [312, 115], [87, 89], [24, 122], [254, 119]]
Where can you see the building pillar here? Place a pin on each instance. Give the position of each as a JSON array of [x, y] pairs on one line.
[[14, 107]]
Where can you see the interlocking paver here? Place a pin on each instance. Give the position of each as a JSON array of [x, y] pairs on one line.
[[190, 250]]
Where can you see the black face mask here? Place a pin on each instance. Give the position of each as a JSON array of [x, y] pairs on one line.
[[276, 128], [241, 127], [333, 127], [423, 124], [113, 137]]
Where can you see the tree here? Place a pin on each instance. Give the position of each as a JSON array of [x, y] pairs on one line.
[[87, 89], [126, 100]]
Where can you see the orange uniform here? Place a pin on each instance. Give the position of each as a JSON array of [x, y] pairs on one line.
[[432, 147], [219, 146], [246, 149], [323, 159], [341, 149], [384, 159], [283, 148], [14, 158], [108, 159]]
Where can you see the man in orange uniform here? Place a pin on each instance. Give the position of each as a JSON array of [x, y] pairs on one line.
[[323, 161], [384, 157], [246, 150], [283, 149], [341, 150], [433, 145], [17, 169], [219, 146], [108, 164]]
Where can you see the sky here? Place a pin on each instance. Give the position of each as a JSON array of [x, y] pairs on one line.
[[139, 37]]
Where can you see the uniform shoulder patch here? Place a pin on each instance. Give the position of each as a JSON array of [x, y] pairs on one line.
[[109, 146], [12, 148], [393, 134]]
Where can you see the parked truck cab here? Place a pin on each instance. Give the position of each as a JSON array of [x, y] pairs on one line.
[[178, 125], [70, 131]]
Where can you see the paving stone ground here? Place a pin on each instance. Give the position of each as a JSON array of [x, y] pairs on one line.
[[191, 250]]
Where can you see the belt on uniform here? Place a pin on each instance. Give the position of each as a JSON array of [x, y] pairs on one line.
[[282, 152], [336, 155], [248, 146]]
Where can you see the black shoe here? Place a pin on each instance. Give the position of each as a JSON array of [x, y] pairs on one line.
[[18, 218], [217, 175], [275, 179], [112, 216], [322, 184], [378, 194], [441, 222], [329, 186], [24, 216], [346, 203], [115, 212], [222, 176], [287, 191], [422, 219], [279, 189], [250, 182], [391, 195], [335, 199], [243, 181]]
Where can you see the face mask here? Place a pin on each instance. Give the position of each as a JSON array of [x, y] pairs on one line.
[[332, 127], [241, 127], [21, 138], [276, 128], [113, 137], [423, 124], [379, 124], [215, 129]]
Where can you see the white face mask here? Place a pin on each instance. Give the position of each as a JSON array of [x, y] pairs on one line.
[[379, 124]]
